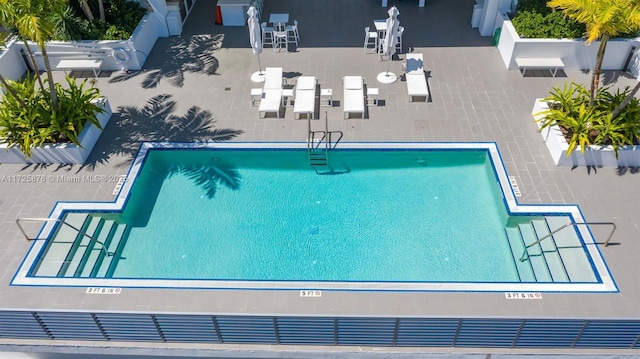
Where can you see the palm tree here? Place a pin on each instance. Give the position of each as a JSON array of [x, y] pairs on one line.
[[604, 19], [32, 21], [87, 10], [8, 16], [101, 10]]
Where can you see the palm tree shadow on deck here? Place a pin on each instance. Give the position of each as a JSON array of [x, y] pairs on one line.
[[155, 121], [176, 56]]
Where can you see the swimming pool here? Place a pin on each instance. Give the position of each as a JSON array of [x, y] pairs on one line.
[[385, 217]]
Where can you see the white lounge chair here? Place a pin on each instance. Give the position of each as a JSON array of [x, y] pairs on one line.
[[416, 82], [270, 102], [305, 96], [353, 95]]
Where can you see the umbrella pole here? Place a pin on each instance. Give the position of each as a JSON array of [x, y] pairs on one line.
[[259, 66], [388, 65]]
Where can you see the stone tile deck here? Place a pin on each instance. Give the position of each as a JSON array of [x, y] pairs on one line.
[[473, 98]]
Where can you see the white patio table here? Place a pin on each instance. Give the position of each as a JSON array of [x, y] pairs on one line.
[[279, 21]]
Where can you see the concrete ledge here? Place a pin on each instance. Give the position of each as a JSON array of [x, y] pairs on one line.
[[66, 153], [575, 54], [599, 156]]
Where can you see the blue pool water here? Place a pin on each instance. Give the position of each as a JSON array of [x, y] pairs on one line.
[[267, 215]]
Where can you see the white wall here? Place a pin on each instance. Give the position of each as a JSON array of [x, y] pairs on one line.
[[634, 64], [12, 67], [138, 47], [575, 54], [491, 8]]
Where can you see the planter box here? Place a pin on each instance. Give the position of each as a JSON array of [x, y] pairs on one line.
[[599, 156], [575, 54], [137, 48], [62, 153]]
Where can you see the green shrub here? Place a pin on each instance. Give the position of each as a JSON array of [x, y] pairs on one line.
[[121, 19], [37, 123], [534, 20]]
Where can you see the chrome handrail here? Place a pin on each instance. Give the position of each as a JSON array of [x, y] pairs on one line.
[[24, 233], [525, 253]]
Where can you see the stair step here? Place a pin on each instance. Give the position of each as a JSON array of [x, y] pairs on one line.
[[118, 253], [83, 251], [538, 262], [578, 265], [551, 255], [77, 250], [59, 245], [566, 237], [90, 260], [571, 250], [113, 243], [517, 248]]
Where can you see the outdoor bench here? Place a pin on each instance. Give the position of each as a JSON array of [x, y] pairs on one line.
[[551, 63], [81, 65]]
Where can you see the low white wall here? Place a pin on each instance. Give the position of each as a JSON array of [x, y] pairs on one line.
[[575, 54], [138, 47], [62, 153], [634, 64], [598, 156], [12, 66]]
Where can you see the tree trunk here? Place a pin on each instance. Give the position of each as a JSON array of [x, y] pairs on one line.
[[13, 92], [101, 7], [52, 84], [33, 62], [87, 10], [595, 79], [626, 101]]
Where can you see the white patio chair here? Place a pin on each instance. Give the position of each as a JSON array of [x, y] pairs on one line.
[[280, 38], [267, 35], [370, 39], [292, 33]]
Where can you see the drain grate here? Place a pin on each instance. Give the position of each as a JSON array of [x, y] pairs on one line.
[[514, 185]]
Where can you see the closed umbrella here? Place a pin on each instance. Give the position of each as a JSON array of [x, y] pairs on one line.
[[256, 42], [389, 45]]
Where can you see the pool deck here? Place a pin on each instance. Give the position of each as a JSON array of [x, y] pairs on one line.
[[473, 99]]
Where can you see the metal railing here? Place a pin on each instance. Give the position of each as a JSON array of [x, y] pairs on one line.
[[525, 253], [24, 233]]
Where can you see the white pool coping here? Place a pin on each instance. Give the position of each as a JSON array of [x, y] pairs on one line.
[[607, 283]]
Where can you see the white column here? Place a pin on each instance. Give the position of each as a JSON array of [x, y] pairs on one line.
[[160, 10], [490, 11]]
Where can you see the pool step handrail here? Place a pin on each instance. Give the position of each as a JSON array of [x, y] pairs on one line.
[[24, 233], [525, 253], [318, 157]]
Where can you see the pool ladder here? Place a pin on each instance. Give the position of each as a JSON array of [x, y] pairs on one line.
[[320, 142]]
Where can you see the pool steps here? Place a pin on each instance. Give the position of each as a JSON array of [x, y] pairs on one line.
[[71, 254], [560, 258]]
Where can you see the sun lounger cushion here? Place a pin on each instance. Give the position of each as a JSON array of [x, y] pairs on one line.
[[353, 95], [352, 83]]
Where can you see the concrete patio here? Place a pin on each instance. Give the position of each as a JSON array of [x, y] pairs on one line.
[[196, 87]]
